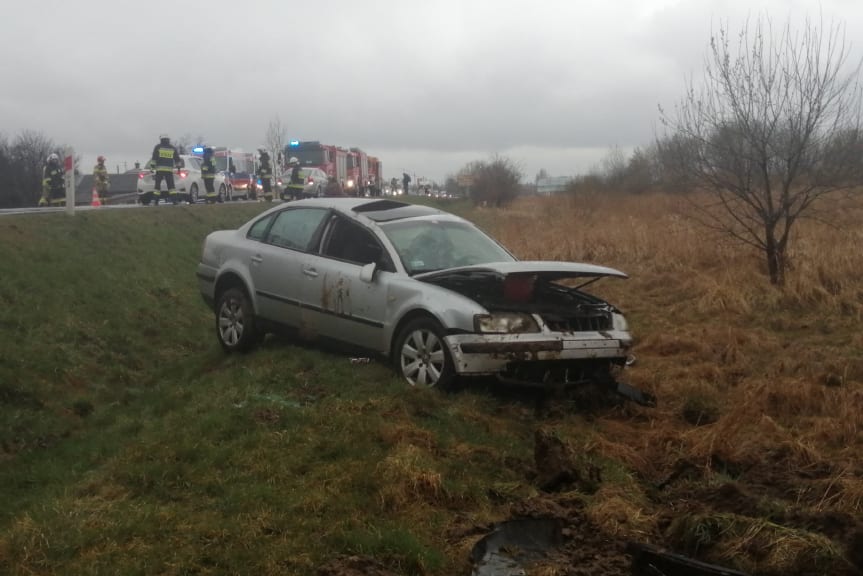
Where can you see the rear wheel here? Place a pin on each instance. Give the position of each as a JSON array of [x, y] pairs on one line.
[[223, 191], [235, 321], [422, 357], [193, 194]]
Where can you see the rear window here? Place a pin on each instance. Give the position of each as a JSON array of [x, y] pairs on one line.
[[295, 228]]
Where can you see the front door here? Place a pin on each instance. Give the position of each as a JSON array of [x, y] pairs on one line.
[[343, 306]]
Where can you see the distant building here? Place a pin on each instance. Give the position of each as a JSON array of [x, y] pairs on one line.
[[549, 186]]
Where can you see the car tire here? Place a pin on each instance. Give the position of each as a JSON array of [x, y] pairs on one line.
[[193, 194], [235, 321], [421, 356], [222, 193], [230, 195]]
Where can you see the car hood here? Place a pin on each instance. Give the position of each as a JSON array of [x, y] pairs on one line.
[[525, 286], [547, 270]]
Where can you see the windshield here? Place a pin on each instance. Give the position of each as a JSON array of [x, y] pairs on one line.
[[426, 245], [312, 157]]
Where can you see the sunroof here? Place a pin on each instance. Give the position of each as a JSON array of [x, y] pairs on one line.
[[386, 210], [379, 205]]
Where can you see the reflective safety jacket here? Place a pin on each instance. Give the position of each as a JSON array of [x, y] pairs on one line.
[[53, 179], [296, 177], [208, 169], [165, 158], [265, 171], [100, 176]]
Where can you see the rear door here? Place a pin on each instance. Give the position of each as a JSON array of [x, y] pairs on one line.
[[277, 260]]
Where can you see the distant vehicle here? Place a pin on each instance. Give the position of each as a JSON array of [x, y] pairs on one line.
[[359, 173], [187, 182], [239, 168], [314, 184], [426, 289]]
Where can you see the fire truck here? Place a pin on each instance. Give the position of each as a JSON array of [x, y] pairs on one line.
[[358, 173]]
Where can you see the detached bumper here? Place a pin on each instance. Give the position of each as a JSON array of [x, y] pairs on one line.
[[492, 353]]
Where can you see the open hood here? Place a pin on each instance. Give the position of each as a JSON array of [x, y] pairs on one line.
[[547, 270]]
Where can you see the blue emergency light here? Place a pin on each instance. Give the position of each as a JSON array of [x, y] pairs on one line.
[[198, 150], [294, 143]]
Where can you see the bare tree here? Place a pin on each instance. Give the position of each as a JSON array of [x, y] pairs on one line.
[[21, 182], [275, 139], [774, 129], [495, 182], [184, 143]]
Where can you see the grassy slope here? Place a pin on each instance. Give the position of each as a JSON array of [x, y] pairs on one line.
[[130, 444]]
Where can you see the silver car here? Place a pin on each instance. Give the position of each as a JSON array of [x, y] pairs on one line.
[[314, 184], [421, 287]]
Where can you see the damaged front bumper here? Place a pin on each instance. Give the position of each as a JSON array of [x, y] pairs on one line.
[[548, 361], [476, 354]]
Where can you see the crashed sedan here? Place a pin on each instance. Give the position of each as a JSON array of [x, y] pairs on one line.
[[421, 287]]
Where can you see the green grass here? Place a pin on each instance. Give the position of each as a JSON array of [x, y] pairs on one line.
[[132, 445]]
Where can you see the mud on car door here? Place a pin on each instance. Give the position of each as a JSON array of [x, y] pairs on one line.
[[342, 305]]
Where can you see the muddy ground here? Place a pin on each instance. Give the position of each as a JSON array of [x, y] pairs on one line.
[[761, 521]]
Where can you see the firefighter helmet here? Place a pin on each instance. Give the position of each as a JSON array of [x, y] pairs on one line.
[[263, 151], [208, 151], [293, 160], [100, 159], [164, 137], [53, 158]]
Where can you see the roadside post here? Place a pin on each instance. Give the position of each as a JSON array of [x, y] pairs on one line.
[[69, 168]]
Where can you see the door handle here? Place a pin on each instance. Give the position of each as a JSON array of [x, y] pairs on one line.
[[257, 259], [309, 271]]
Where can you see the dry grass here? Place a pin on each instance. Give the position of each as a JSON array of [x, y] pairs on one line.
[[756, 382]]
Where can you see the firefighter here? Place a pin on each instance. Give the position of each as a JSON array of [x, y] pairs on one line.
[[266, 173], [53, 183], [165, 159], [296, 185], [208, 173], [100, 179], [406, 180]]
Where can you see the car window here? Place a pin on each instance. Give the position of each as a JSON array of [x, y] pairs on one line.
[[295, 228], [259, 228], [194, 163], [351, 242]]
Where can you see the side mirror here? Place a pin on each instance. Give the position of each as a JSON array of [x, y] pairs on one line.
[[367, 272]]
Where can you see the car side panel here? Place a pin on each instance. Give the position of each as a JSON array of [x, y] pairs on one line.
[[406, 296], [338, 305]]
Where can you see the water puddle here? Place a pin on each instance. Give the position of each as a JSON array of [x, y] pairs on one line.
[[514, 544]]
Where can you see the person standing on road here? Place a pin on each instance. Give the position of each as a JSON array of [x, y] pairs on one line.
[[296, 185], [333, 189], [53, 183], [406, 181], [101, 182], [208, 173], [266, 173], [165, 159]]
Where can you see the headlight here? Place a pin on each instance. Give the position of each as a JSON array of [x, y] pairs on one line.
[[350, 183], [620, 322], [505, 323]]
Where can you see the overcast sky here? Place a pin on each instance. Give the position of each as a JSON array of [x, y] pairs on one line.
[[425, 85]]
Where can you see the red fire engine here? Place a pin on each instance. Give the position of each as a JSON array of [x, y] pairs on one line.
[[358, 173]]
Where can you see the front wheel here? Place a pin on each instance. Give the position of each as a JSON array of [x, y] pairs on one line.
[[421, 355], [222, 193], [235, 321]]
